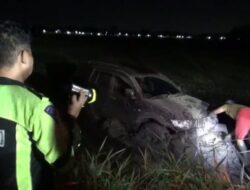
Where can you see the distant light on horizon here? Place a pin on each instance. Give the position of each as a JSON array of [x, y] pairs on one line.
[[58, 31], [179, 37], [99, 34], [222, 38], [161, 36]]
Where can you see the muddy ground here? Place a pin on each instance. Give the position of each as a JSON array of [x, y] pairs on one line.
[[211, 70]]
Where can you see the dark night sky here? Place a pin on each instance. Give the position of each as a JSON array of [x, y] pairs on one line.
[[193, 16]]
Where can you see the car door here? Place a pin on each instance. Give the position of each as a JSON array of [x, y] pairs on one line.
[[123, 99], [111, 101], [116, 97]]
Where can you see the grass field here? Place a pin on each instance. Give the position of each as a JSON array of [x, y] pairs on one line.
[[212, 71]]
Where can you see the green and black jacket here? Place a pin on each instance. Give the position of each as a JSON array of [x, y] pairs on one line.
[[29, 135]]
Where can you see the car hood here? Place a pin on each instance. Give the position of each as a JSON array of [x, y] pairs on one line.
[[182, 107], [196, 107], [202, 136]]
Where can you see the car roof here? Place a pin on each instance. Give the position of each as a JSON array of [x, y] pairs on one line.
[[128, 69]]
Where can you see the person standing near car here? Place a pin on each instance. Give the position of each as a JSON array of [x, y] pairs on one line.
[[31, 130], [241, 114]]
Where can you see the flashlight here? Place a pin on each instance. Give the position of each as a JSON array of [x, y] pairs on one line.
[[89, 93]]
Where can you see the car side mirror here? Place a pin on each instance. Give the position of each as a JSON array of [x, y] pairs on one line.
[[130, 93]]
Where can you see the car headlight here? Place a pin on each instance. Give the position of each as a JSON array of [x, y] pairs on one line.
[[182, 124]]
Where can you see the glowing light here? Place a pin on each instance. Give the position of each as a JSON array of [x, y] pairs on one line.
[[208, 37], [126, 34], [189, 37], [58, 31], [68, 32], [148, 35], [222, 38], [44, 31], [99, 34], [179, 37], [182, 124], [161, 36], [138, 35], [118, 34]]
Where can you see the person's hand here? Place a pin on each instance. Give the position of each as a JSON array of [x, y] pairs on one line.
[[77, 104]]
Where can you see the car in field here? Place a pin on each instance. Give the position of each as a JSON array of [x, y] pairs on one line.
[[144, 110]]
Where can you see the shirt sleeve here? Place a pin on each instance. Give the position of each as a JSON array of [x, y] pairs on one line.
[[48, 132], [225, 107]]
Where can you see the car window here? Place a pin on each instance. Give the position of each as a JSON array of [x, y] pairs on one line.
[[152, 86], [119, 86], [102, 79]]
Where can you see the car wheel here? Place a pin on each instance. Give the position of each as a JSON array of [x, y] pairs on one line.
[[116, 130], [153, 138]]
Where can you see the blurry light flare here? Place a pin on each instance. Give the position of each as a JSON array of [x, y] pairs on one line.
[[139, 35], [161, 36], [68, 32], [222, 38], [57, 31], [44, 31], [208, 37], [179, 36], [118, 34]]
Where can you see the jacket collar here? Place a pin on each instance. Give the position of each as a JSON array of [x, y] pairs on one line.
[[8, 81]]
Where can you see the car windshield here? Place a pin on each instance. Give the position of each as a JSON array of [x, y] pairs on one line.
[[152, 86]]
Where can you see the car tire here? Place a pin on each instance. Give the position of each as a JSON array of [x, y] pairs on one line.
[[152, 138]]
